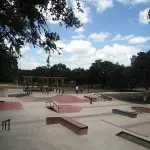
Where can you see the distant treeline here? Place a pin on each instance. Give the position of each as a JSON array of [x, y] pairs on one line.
[[104, 73]]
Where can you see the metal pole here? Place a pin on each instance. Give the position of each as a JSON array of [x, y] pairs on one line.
[[8, 125], [56, 85], [5, 125]]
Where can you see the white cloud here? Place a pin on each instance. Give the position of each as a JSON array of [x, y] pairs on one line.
[[133, 2], [39, 51], [99, 37], [119, 37], [138, 40], [79, 36], [115, 53], [81, 54], [48, 16], [79, 30], [102, 5], [118, 53], [29, 62], [143, 16], [83, 17], [80, 47]]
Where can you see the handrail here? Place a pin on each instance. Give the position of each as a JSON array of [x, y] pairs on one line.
[[4, 124], [52, 102], [55, 105]]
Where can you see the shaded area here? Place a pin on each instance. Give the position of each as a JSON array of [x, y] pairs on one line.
[[132, 97], [6, 106]]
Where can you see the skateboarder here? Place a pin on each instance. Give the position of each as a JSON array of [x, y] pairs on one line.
[[91, 100]]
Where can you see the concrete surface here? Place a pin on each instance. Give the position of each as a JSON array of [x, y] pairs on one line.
[[29, 130]]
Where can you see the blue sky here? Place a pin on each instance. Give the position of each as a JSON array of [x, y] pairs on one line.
[[112, 30]]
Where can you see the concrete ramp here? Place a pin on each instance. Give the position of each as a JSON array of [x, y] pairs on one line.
[[10, 106], [69, 123]]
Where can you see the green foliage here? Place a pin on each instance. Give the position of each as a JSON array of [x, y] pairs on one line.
[[141, 63], [24, 21], [101, 72], [8, 65]]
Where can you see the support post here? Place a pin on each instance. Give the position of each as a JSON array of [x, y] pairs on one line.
[[9, 125], [56, 85], [62, 86], [5, 125]]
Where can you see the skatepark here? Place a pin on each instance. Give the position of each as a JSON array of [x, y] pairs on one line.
[[77, 125]]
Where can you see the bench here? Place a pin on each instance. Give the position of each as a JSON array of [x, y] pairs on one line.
[[106, 97], [125, 113], [69, 123]]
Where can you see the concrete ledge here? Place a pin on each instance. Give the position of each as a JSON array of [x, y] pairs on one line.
[[53, 120], [135, 139], [124, 113], [18, 95], [69, 123], [3, 92], [141, 109]]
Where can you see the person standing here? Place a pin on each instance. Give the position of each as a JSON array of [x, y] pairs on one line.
[[81, 89], [77, 89]]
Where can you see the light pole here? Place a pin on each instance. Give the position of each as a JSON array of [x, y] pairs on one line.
[[20, 69]]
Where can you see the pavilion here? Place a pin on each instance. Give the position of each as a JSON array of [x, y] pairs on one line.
[[43, 84]]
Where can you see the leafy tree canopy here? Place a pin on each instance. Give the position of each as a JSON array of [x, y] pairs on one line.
[[24, 21]]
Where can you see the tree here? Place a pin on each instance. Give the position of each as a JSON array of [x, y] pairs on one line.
[[100, 72], [141, 63], [24, 21], [8, 65], [78, 75]]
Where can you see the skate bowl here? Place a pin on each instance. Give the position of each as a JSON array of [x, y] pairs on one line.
[[3, 92], [69, 123]]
